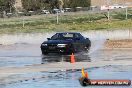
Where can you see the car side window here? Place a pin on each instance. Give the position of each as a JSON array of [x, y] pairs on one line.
[[79, 36], [76, 36]]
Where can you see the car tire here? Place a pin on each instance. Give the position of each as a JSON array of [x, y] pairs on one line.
[[72, 51], [87, 47], [44, 53]]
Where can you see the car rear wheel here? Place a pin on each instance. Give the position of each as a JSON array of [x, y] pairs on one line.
[[87, 47], [72, 49]]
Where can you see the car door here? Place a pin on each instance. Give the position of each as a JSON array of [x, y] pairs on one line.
[[79, 42]]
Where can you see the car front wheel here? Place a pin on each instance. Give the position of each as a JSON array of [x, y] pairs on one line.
[[44, 52]]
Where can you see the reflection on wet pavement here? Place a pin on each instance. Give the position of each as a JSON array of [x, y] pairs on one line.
[[65, 58]]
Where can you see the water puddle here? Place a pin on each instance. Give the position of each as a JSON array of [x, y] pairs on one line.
[[69, 78]]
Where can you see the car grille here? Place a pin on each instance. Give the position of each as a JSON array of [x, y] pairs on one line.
[[52, 45]]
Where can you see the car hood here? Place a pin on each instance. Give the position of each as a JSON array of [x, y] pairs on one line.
[[57, 41]]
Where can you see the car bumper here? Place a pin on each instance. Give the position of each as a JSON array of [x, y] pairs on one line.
[[56, 50]]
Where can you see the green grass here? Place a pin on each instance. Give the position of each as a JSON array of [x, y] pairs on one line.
[[72, 22]]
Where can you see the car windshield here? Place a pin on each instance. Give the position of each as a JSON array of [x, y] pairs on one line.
[[63, 36]]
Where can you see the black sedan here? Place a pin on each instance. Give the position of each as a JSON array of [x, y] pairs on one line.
[[67, 42]]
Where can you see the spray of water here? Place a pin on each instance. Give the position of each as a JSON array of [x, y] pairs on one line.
[[97, 41], [96, 45]]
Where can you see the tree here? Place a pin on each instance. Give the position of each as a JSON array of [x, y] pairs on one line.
[[51, 4], [7, 5], [66, 3], [31, 4], [79, 3], [37, 4], [60, 4], [2, 5], [54, 3]]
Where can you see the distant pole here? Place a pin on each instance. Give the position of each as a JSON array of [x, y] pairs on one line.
[[23, 23], [57, 18], [129, 33], [126, 13], [108, 12]]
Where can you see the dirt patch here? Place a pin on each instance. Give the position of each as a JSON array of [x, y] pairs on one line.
[[113, 44]]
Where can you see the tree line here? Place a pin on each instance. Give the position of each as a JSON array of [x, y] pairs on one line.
[[8, 5]]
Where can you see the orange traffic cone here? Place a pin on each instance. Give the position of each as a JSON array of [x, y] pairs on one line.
[[86, 74], [72, 58]]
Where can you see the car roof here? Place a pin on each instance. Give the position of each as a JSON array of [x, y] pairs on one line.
[[68, 32]]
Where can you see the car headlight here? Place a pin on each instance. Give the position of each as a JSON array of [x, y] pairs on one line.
[[61, 45], [44, 44]]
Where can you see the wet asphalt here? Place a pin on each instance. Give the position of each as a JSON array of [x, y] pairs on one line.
[[24, 54], [18, 55]]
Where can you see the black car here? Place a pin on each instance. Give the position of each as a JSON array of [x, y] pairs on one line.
[[67, 42]]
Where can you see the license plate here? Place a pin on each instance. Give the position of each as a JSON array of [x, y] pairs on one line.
[[51, 47]]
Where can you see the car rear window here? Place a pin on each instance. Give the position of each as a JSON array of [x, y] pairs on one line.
[[67, 35], [63, 36]]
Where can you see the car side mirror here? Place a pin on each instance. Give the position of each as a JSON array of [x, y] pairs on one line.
[[87, 38], [48, 38]]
